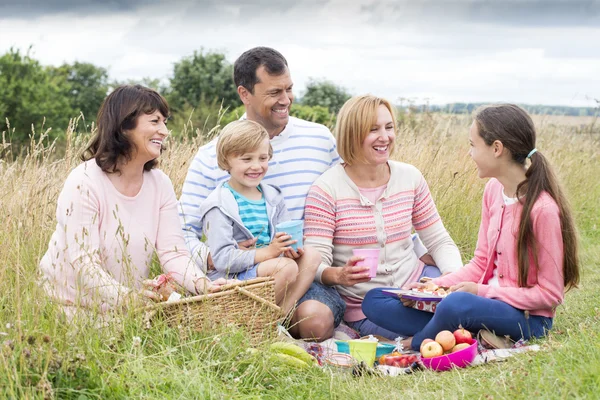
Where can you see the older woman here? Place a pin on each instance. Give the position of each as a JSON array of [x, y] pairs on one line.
[[116, 210], [370, 201]]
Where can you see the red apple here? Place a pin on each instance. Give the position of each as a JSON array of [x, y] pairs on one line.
[[459, 347], [446, 339], [462, 336], [431, 349]]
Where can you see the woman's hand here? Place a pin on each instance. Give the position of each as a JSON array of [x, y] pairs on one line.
[[352, 274], [149, 290], [469, 287], [408, 286], [140, 297], [218, 284]]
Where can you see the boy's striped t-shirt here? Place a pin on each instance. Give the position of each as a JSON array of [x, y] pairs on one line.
[[254, 216]]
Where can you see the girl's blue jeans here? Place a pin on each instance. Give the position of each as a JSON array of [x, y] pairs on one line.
[[470, 311]]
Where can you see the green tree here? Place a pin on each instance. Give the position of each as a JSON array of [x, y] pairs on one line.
[[203, 78], [84, 85], [152, 83], [28, 95], [318, 114], [326, 94]]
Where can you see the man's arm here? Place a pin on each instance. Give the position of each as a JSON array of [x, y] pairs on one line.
[[333, 153], [201, 179]]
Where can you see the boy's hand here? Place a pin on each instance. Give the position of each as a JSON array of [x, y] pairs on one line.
[[280, 244], [294, 254], [247, 244]]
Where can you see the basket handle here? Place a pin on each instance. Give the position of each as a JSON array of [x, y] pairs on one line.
[[272, 306], [245, 283]]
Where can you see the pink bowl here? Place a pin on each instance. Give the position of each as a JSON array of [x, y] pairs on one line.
[[460, 359]]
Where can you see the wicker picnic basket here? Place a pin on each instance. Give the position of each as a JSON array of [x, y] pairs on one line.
[[249, 305]]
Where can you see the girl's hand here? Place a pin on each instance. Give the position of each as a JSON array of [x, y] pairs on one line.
[[469, 287], [280, 244], [414, 285], [351, 274]]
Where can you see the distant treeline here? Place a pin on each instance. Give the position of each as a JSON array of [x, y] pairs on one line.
[[468, 108], [200, 91]]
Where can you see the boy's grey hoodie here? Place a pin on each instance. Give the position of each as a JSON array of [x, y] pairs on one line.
[[223, 227]]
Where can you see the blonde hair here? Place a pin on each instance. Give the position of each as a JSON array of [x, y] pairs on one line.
[[239, 137], [354, 122]]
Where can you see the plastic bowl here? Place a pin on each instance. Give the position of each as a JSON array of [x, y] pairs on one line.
[[382, 348], [340, 362], [342, 346], [460, 359]]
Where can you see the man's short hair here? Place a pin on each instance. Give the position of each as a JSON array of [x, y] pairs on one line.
[[245, 67], [354, 122], [239, 137]]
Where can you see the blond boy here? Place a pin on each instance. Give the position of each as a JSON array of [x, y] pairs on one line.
[[242, 208]]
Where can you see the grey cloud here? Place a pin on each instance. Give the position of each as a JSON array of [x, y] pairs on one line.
[[200, 9], [259, 11], [533, 13], [38, 8]]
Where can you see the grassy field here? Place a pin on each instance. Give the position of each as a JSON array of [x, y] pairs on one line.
[[42, 356]]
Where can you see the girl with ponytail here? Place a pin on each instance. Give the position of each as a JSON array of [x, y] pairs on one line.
[[526, 255]]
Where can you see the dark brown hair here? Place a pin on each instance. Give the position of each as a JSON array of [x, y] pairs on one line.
[[513, 127], [245, 67], [119, 113]]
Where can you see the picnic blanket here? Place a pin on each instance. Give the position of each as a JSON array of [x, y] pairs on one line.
[[322, 350]]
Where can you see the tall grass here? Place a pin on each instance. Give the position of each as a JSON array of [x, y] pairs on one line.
[[43, 356]]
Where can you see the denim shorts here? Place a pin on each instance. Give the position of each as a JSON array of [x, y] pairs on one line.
[[248, 274], [329, 296]]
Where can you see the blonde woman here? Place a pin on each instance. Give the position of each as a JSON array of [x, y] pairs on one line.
[[370, 201]]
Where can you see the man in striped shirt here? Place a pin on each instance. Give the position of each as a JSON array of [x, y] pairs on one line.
[[302, 151]]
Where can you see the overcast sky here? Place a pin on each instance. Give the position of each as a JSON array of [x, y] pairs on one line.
[[526, 51]]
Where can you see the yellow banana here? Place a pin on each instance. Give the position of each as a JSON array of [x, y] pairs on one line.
[[294, 351]]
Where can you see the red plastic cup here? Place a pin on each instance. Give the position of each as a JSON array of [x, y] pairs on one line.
[[371, 259]]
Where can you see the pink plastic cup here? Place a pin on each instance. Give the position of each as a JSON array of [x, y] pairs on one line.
[[371, 259]]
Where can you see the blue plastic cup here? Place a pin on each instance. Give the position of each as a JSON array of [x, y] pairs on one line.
[[294, 228]]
